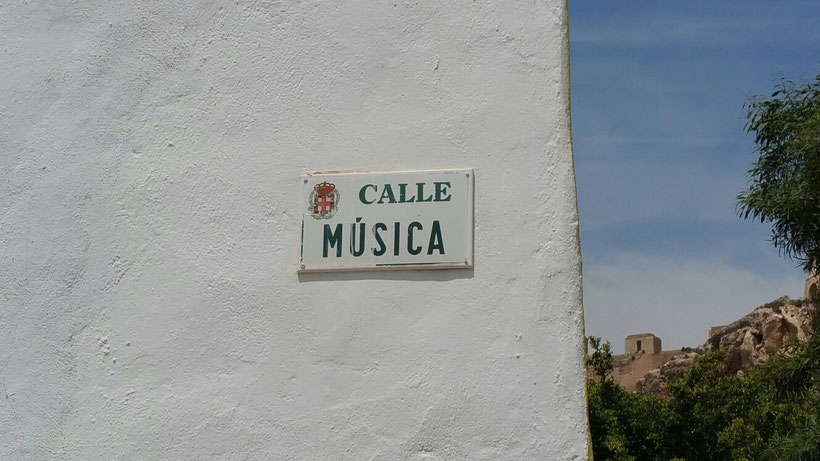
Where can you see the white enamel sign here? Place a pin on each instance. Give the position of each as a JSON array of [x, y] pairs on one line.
[[387, 220]]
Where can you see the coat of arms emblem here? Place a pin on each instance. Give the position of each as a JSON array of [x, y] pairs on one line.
[[323, 201]]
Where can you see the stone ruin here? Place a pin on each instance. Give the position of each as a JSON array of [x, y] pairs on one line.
[[749, 341]]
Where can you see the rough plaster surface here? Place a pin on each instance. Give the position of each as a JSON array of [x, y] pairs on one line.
[[150, 306]]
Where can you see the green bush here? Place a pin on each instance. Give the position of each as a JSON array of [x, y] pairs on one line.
[[770, 413]]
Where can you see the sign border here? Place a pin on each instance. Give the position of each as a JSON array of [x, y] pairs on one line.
[[468, 263]]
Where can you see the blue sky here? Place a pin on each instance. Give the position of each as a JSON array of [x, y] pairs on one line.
[[661, 153]]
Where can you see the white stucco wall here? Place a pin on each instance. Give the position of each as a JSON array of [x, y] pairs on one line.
[[150, 306]]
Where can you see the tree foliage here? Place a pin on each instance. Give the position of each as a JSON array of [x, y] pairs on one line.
[[601, 359], [770, 413], [784, 187]]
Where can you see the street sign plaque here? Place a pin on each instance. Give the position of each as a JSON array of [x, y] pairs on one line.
[[387, 220]]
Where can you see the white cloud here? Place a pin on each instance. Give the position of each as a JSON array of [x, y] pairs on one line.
[[677, 300], [729, 27], [644, 192]]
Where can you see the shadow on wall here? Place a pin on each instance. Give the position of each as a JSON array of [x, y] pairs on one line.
[[438, 275]]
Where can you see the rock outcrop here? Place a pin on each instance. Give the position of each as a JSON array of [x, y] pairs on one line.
[[655, 380], [747, 342], [752, 339]]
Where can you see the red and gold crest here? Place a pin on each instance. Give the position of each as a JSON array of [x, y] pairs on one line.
[[324, 200]]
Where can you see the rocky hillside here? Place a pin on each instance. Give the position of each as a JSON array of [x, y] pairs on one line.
[[748, 342]]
